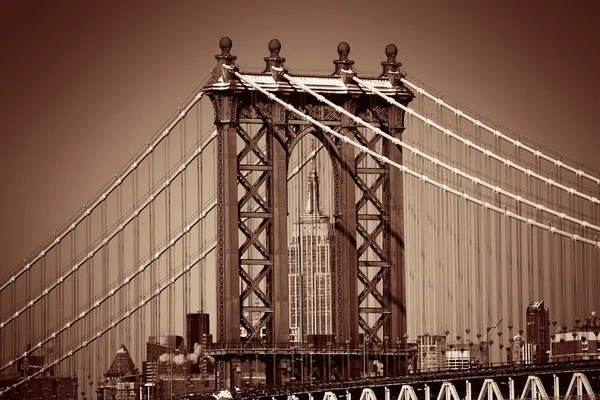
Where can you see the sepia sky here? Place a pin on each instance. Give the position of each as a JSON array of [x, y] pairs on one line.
[[83, 85]]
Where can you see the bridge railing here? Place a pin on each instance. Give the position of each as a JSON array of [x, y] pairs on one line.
[[475, 372], [309, 348]]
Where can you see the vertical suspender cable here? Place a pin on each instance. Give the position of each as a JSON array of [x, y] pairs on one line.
[[422, 229], [459, 228], [520, 303], [487, 265], [119, 336], [186, 249], [563, 263], [584, 306], [593, 271], [480, 261], [169, 306], [89, 274], [125, 334], [31, 311], [15, 328], [449, 279], [154, 311], [573, 272], [77, 361], [184, 304], [542, 264], [301, 249], [61, 300], [139, 331], [529, 229], [202, 266], [510, 264], [70, 337], [500, 266], [105, 353], [57, 300], [462, 251], [556, 261], [432, 239], [443, 256]]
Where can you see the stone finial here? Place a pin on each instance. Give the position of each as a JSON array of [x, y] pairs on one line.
[[391, 67], [342, 62], [225, 56], [227, 68], [274, 48], [274, 60]]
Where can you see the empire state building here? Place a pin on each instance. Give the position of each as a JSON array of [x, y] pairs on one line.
[[310, 278]]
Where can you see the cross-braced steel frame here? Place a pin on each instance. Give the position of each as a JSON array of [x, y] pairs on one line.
[[256, 137]]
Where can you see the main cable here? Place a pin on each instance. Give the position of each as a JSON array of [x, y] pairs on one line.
[[104, 241], [497, 133], [105, 194], [157, 290], [95, 305], [422, 177], [435, 161]]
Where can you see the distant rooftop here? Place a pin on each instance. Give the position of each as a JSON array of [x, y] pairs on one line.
[[122, 365]]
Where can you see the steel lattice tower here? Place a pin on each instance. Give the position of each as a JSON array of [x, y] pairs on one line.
[[368, 227]]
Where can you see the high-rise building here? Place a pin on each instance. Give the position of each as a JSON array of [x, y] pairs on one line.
[[197, 328], [582, 342], [431, 352], [122, 380], [198, 324], [310, 277], [44, 386], [163, 354], [538, 331], [518, 350], [458, 359]]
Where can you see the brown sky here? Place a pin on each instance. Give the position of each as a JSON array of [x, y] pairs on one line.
[[83, 85]]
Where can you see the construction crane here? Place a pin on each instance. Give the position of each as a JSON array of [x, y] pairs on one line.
[[487, 340]]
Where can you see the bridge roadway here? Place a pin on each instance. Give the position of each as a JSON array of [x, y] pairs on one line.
[[549, 374]]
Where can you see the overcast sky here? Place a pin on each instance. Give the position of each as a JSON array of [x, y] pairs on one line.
[[85, 84]]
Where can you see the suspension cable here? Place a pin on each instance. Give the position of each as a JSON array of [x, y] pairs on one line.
[[497, 133], [129, 278], [95, 203], [156, 291], [422, 177], [435, 161], [104, 241], [488, 153]]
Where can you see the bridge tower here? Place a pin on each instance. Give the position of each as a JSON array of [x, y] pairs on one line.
[[368, 250]]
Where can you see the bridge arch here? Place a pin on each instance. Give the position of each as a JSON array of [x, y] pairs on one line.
[[490, 387], [578, 384], [448, 392], [368, 394], [535, 387], [407, 392]]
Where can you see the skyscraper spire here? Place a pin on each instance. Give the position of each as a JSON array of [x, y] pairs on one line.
[[313, 205]]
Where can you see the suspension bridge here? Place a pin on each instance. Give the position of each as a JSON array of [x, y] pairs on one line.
[[322, 224]]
